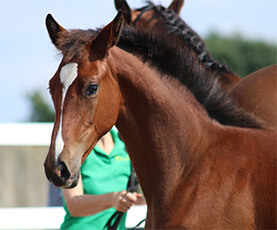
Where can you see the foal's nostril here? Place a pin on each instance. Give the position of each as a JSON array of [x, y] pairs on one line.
[[65, 174]]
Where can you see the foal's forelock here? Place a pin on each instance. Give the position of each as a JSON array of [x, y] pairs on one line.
[[68, 74]]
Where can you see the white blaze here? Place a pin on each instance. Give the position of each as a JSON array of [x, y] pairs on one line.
[[68, 74]]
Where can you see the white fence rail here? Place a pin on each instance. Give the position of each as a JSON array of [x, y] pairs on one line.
[[25, 134], [52, 217]]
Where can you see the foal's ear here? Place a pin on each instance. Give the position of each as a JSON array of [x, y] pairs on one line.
[[123, 5], [107, 38], [176, 6], [53, 28]]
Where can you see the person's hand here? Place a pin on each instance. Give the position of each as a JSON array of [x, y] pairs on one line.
[[124, 200], [140, 200]]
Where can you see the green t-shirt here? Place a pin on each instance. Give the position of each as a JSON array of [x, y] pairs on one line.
[[102, 173]]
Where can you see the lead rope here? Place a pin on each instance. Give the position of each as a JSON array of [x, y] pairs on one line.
[[137, 224], [116, 217]]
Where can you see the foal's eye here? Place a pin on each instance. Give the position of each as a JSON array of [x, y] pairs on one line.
[[91, 90]]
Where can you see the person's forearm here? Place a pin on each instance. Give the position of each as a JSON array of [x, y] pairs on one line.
[[86, 205]]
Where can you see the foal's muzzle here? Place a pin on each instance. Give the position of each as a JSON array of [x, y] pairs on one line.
[[60, 176]]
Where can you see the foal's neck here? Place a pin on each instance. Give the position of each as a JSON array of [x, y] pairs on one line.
[[157, 114]]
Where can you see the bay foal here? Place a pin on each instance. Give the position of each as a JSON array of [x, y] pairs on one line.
[[194, 172]]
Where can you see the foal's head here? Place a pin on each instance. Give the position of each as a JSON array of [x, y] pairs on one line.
[[86, 97]]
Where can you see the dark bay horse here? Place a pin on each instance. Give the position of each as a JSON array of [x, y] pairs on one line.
[[167, 23], [194, 172]]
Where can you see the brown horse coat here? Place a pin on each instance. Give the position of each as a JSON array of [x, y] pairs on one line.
[[194, 172], [257, 93]]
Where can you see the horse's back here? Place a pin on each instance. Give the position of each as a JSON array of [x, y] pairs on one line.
[[257, 93]]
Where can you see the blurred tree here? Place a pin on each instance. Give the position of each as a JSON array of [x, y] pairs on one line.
[[241, 55], [41, 111]]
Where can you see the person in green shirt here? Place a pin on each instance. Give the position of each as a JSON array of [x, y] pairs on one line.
[[101, 189]]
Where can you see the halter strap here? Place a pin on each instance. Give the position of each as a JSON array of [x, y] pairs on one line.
[[150, 7]]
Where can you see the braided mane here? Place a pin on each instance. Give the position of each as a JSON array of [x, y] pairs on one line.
[[176, 25]]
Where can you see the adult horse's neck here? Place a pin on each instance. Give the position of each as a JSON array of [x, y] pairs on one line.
[[189, 38], [173, 116], [180, 32]]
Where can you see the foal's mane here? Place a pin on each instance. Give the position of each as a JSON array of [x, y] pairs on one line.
[[168, 60], [176, 25]]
